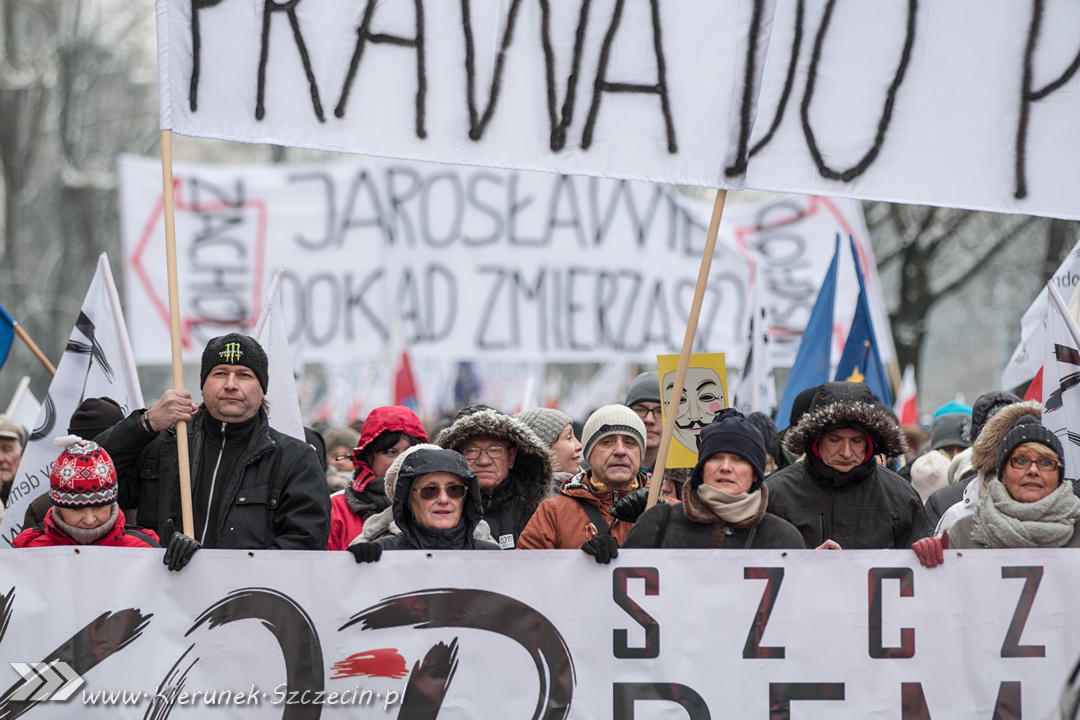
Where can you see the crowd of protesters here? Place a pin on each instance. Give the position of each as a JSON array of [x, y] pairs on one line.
[[842, 475]]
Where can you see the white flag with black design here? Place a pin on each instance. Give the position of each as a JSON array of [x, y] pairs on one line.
[[756, 391], [281, 386], [1061, 380], [97, 362]]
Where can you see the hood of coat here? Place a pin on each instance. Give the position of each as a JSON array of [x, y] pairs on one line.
[[847, 405], [984, 452], [421, 460], [534, 467], [389, 418]]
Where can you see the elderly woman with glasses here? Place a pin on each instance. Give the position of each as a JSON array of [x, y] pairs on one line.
[[436, 505], [1028, 505]]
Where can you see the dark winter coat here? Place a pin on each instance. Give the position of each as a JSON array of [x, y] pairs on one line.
[[531, 481], [691, 524], [869, 507], [275, 498]]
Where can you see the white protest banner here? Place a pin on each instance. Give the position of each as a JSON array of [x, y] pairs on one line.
[[1061, 376], [24, 407], [959, 103], [506, 266], [500, 265], [97, 362], [1027, 357], [548, 635], [964, 103], [610, 89]]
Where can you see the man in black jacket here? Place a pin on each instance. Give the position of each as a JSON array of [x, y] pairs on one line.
[[837, 495], [252, 486]]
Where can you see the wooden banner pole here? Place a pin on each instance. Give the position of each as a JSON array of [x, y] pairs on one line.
[[174, 327], [687, 348], [35, 349]]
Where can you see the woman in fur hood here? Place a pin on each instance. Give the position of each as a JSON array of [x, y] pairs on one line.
[[515, 468], [838, 496]]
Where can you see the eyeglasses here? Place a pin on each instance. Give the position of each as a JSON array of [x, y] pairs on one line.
[[340, 458], [644, 412], [1023, 463], [495, 452], [431, 492]]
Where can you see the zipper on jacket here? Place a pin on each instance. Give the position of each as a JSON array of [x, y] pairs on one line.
[[213, 480]]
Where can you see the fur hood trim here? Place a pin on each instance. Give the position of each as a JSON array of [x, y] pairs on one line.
[[534, 467], [858, 414], [984, 453]]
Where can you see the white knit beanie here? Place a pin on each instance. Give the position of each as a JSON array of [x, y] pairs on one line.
[[612, 420]]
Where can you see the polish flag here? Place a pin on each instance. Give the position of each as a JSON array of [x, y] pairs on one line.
[[907, 400]]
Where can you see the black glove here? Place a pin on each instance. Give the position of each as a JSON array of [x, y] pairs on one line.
[[603, 548], [631, 506], [179, 548], [366, 552]]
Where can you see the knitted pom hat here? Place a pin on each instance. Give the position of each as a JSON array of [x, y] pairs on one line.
[[545, 422], [1028, 429], [83, 475], [235, 349], [612, 420]]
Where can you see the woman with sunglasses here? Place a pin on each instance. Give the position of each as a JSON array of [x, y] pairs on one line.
[[1028, 503], [436, 505]]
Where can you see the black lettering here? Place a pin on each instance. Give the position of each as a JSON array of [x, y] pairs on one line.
[[533, 293], [333, 315], [487, 209], [1007, 706], [447, 301], [513, 208], [1012, 648], [624, 695], [907, 635], [602, 85], [377, 218], [631, 296], [781, 696], [457, 202], [478, 123], [482, 341], [913, 702], [753, 647], [364, 36], [331, 214], [656, 307], [196, 50], [620, 646], [354, 300], [289, 8], [407, 303], [749, 86], [397, 198], [607, 289], [886, 113], [573, 308], [564, 184]]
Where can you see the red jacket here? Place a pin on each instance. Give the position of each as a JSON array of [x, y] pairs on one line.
[[51, 536], [345, 525]]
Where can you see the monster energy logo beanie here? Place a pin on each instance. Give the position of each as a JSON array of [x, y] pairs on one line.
[[235, 349]]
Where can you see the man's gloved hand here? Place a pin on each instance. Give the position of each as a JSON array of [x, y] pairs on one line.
[[602, 547], [631, 506], [930, 551], [179, 548], [366, 552]]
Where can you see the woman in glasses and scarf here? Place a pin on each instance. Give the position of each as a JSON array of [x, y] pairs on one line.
[[436, 505], [1028, 503]]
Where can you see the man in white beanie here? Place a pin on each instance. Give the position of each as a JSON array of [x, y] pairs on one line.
[[580, 516], [12, 443]]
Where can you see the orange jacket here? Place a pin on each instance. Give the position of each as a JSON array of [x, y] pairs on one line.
[[561, 521]]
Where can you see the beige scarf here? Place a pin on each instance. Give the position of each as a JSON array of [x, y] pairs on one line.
[[731, 509], [87, 536]]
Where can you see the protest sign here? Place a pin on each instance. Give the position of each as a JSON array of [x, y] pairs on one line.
[[780, 634]]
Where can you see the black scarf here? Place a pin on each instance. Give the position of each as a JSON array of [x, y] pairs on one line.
[[425, 538], [369, 501]]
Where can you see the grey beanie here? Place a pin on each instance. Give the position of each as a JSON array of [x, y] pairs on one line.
[[612, 420], [341, 436], [644, 388], [950, 429], [545, 422]]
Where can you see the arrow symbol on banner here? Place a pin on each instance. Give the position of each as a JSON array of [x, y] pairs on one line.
[[46, 681]]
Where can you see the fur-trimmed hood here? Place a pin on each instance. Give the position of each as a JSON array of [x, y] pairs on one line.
[[851, 405], [984, 453], [534, 467]]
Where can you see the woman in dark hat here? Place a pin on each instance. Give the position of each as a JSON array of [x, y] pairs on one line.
[[724, 503], [1029, 504]]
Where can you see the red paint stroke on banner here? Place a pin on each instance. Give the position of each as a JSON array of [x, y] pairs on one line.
[[384, 662]]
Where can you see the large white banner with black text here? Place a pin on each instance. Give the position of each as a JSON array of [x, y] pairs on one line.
[[966, 103], [483, 264], [539, 634]]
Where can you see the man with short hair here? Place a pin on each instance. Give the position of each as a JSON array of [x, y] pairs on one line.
[[580, 516], [252, 486], [12, 444], [643, 397], [837, 495], [514, 467]]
